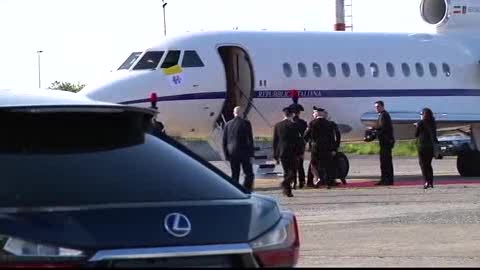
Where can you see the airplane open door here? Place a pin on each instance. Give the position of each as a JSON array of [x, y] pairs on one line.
[[240, 80], [240, 83]]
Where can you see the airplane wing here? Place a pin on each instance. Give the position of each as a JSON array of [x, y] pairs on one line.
[[444, 121]]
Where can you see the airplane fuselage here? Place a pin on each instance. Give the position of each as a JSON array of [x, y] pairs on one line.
[[345, 73], [199, 78]]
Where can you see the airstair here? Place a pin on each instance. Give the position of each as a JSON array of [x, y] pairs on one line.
[[263, 159]]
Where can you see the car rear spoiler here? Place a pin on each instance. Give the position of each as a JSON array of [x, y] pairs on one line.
[[78, 108]]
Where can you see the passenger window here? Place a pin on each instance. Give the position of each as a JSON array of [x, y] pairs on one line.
[[446, 69], [360, 69], [406, 69], [302, 70], [191, 59], [130, 60], [149, 60], [346, 69], [171, 59], [419, 68], [287, 69], [374, 70], [317, 70], [433, 69], [390, 69], [332, 71]]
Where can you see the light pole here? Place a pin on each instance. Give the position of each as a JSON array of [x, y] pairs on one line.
[[39, 81], [164, 19]]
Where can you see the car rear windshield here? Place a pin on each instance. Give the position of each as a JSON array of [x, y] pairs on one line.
[[68, 159]]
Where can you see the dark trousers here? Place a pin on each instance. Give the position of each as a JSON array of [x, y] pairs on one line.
[[326, 167], [289, 173], [310, 174], [300, 172], [425, 156], [235, 163], [386, 165]]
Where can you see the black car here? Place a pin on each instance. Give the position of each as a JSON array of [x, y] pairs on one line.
[[86, 184], [452, 145]]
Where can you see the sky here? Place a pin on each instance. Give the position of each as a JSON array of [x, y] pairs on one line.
[[83, 39]]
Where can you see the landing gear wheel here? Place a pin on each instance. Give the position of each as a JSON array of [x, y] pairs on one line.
[[342, 166], [467, 163]]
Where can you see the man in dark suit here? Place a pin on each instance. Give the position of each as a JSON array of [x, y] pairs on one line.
[[287, 149], [384, 132], [238, 147], [321, 134], [302, 126], [156, 127]]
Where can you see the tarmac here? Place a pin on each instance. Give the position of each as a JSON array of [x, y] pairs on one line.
[[363, 225]]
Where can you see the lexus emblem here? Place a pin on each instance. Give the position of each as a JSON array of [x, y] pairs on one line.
[[177, 224]]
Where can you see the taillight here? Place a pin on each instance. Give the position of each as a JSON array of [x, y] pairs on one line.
[[280, 246], [18, 253]]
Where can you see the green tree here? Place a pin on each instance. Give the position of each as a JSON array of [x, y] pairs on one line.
[[66, 86]]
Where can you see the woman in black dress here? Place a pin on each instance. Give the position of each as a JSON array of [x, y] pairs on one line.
[[426, 135]]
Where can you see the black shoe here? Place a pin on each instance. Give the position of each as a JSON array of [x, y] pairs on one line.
[[426, 185], [380, 183], [430, 185], [287, 193], [302, 185], [344, 181]]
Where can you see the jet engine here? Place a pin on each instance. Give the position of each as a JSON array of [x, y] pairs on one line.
[[451, 15]]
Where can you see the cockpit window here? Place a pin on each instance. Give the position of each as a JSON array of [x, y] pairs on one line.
[[171, 59], [191, 59], [149, 60], [130, 60]]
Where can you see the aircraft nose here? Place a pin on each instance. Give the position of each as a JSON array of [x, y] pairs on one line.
[[102, 92], [121, 87], [98, 92]]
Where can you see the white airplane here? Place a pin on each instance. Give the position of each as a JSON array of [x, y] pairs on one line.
[[198, 78]]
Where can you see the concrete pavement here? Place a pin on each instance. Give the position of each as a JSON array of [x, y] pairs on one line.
[[399, 226]]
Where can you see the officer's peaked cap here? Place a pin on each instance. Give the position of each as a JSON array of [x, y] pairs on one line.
[[296, 108], [287, 109], [315, 108]]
